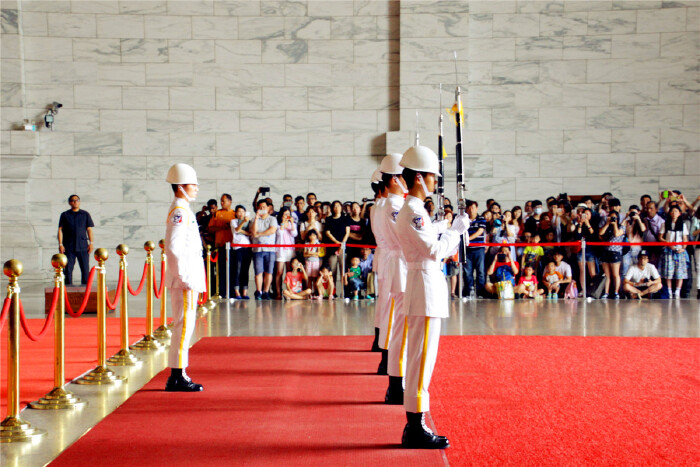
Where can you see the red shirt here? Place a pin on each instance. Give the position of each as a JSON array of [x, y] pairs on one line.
[[294, 281]]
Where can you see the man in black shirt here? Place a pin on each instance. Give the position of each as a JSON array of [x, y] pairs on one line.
[[74, 231]]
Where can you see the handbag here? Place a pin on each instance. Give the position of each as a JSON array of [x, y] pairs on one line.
[[505, 290]]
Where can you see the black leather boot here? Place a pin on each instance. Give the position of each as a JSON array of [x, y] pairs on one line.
[[382, 369], [394, 393], [180, 382], [375, 344], [417, 435]]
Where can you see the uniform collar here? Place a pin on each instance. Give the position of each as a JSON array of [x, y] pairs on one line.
[[181, 203], [412, 200]]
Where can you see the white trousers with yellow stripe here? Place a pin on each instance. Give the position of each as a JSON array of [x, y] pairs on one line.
[[382, 311], [398, 336], [184, 306], [423, 339]]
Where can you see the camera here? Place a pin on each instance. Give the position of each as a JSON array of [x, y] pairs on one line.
[[563, 195], [367, 200], [55, 106], [501, 258], [264, 190]]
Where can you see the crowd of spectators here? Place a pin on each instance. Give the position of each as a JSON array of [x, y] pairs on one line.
[[551, 270]]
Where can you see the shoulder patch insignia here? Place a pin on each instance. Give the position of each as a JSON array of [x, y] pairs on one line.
[[176, 217], [393, 215], [418, 222]]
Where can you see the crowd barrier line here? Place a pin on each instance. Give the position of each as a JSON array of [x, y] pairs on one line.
[[83, 304], [143, 281]]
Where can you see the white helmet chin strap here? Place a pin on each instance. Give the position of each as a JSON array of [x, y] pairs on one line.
[[425, 188], [187, 197], [400, 184]]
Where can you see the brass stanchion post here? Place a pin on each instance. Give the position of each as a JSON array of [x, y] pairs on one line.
[[124, 357], [149, 342], [13, 429], [59, 397], [218, 280], [100, 374], [211, 303], [163, 332]]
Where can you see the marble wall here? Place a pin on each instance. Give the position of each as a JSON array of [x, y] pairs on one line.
[[575, 96]]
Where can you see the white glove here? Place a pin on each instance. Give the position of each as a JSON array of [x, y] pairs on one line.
[[441, 226], [460, 224]]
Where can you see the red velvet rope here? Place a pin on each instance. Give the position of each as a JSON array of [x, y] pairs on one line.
[[143, 281], [5, 310], [158, 292], [213, 257], [472, 244], [83, 305], [47, 323], [120, 284], [303, 245]]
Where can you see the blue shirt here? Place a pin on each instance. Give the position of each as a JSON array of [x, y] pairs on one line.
[[366, 266], [476, 224]]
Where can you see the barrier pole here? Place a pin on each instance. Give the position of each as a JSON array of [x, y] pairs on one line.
[[585, 266], [149, 342], [59, 397], [217, 295], [124, 357], [100, 374], [342, 271], [13, 429], [163, 332], [228, 270], [211, 303]]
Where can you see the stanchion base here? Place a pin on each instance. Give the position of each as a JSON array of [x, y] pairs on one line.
[[16, 430], [124, 358], [163, 334], [58, 398], [211, 304], [202, 310], [101, 375], [147, 343]]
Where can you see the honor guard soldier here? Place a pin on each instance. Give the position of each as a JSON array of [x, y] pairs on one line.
[[378, 189], [392, 332], [426, 296], [185, 273]]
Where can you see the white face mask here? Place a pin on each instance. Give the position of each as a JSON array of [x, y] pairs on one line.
[[425, 188], [187, 197], [262, 212], [538, 210], [400, 184], [287, 204]]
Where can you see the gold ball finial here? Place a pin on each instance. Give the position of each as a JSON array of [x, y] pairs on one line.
[[208, 247], [13, 268], [59, 261], [122, 249], [101, 255], [149, 246], [161, 243]]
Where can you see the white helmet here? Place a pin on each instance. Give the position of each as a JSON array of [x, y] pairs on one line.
[[421, 159], [181, 174], [376, 176], [390, 164]]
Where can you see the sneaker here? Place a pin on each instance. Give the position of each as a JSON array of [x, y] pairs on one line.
[[677, 294], [555, 297], [549, 296], [245, 297], [355, 298], [265, 296], [258, 295], [616, 296], [604, 296]]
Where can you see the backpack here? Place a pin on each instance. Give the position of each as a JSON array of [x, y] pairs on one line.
[[504, 273], [571, 290]]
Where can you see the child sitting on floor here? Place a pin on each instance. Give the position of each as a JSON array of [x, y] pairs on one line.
[[552, 278], [325, 284], [528, 284], [353, 278], [294, 282]]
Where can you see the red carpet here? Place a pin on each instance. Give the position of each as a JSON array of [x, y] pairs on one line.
[[36, 358], [280, 401], [507, 400], [502, 400]]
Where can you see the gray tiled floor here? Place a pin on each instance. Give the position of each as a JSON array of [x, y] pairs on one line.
[[662, 318]]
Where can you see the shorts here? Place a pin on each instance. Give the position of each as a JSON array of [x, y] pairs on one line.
[[355, 283], [674, 265], [611, 257], [590, 257], [285, 255], [312, 268], [264, 261]]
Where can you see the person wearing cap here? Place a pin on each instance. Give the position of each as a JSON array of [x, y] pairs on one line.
[[642, 278], [391, 330], [379, 199], [426, 296], [184, 275]]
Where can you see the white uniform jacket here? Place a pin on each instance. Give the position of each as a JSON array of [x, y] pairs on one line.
[[183, 249], [426, 289], [376, 261], [394, 267]]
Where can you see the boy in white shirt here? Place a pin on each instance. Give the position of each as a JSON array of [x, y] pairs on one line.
[[643, 278]]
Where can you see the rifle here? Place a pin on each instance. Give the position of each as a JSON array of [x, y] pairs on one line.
[[441, 162]]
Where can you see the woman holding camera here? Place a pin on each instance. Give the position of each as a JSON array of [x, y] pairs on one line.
[[634, 228], [674, 260], [612, 232]]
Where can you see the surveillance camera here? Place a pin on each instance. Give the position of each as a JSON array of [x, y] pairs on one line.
[[55, 106]]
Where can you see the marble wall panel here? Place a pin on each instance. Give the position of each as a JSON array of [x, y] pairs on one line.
[[143, 143], [157, 166], [610, 164], [262, 121], [520, 166], [489, 142], [284, 51], [639, 93], [123, 120], [691, 116], [331, 51], [652, 164], [538, 95], [214, 27], [168, 27], [72, 25], [692, 163], [119, 214], [238, 51], [515, 72], [664, 20], [54, 143], [269, 168], [139, 7], [307, 120], [586, 185], [610, 117], [148, 98], [330, 144], [46, 48], [481, 189], [434, 25], [93, 191], [653, 116], [217, 168], [516, 25], [635, 140], [535, 188], [612, 22], [35, 24], [538, 48], [353, 120], [190, 7], [562, 118], [144, 50], [633, 187], [102, 143], [543, 141], [635, 45], [353, 167], [239, 144], [220, 121], [120, 26], [103, 97], [170, 121], [679, 92], [300, 74], [123, 168], [98, 6], [515, 119], [120, 74], [330, 97], [680, 139], [307, 28], [192, 98], [242, 98], [586, 95], [563, 165], [261, 28], [284, 98], [622, 70], [588, 141], [169, 74], [192, 144], [692, 19], [285, 144], [308, 168]]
